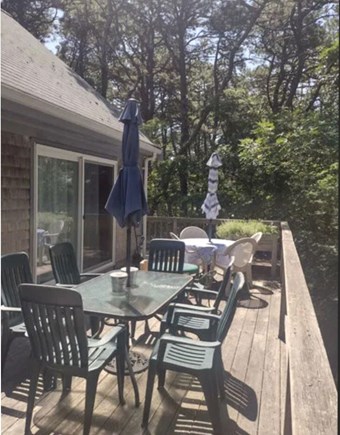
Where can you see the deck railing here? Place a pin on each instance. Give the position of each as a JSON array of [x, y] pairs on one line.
[[311, 394], [161, 227]]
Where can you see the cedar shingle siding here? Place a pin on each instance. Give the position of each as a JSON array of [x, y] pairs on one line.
[[15, 192]]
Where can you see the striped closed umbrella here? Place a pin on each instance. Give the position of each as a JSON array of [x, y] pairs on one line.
[[211, 206]]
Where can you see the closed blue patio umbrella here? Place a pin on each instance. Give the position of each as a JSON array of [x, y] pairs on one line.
[[211, 205], [127, 201]]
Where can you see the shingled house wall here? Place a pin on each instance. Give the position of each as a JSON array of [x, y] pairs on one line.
[[16, 176]]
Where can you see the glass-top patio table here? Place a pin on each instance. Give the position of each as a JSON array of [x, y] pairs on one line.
[[152, 292]]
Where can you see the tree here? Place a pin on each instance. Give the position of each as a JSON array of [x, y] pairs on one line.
[[88, 32], [38, 17], [289, 50]]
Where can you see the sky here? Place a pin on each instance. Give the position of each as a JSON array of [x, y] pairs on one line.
[[52, 45], [53, 41]]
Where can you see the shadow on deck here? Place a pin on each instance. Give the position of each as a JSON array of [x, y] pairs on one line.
[[254, 361]]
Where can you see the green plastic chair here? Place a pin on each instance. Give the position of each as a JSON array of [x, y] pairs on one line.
[[15, 269], [166, 255], [190, 268], [64, 265], [66, 274], [191, 325], [204, 325], [55, 324], [202, 359]]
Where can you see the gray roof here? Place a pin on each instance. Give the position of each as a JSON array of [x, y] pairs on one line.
[[33, 76]]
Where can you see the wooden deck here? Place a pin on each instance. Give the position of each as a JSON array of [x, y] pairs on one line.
[[254, 361]]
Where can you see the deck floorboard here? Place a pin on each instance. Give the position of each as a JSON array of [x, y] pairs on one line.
[[255, 366]]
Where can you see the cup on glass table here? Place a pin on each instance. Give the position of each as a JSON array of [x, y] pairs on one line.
[[133, 275], [118, 281]]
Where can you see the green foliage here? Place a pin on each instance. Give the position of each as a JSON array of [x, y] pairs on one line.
[[290, 166], [292, 157], [241, 228], [47, 220]]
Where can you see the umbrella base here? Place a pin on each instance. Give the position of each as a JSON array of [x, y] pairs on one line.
[[139, 363]]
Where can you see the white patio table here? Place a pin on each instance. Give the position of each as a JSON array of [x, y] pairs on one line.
[[202, 250]]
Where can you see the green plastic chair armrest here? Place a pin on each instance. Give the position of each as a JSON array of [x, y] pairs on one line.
[[113, 333], [189, 313], [168, 338], [5, 309]]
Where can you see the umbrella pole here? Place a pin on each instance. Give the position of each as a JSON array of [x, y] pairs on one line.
[[128, 253], [210, 229]]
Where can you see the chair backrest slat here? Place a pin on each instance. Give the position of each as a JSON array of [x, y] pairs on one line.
[[55, 324], [64, 263], [15, 269], [166, 255], [31, 319], [46, 315], [229, 309]]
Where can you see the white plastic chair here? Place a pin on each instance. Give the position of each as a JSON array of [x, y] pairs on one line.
[[174, 236], [257, 237], [193, 233], [243, 250], [51, 236], [54, 229]]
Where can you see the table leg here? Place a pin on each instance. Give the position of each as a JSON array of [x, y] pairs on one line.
[[111, 368], [133, 378], [135, 363], [138, 362]]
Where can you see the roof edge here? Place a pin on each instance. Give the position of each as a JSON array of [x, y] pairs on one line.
[[27, 100]]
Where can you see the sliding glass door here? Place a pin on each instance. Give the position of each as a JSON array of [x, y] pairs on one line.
[[58, 217], [71, 192], [97, 222]]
